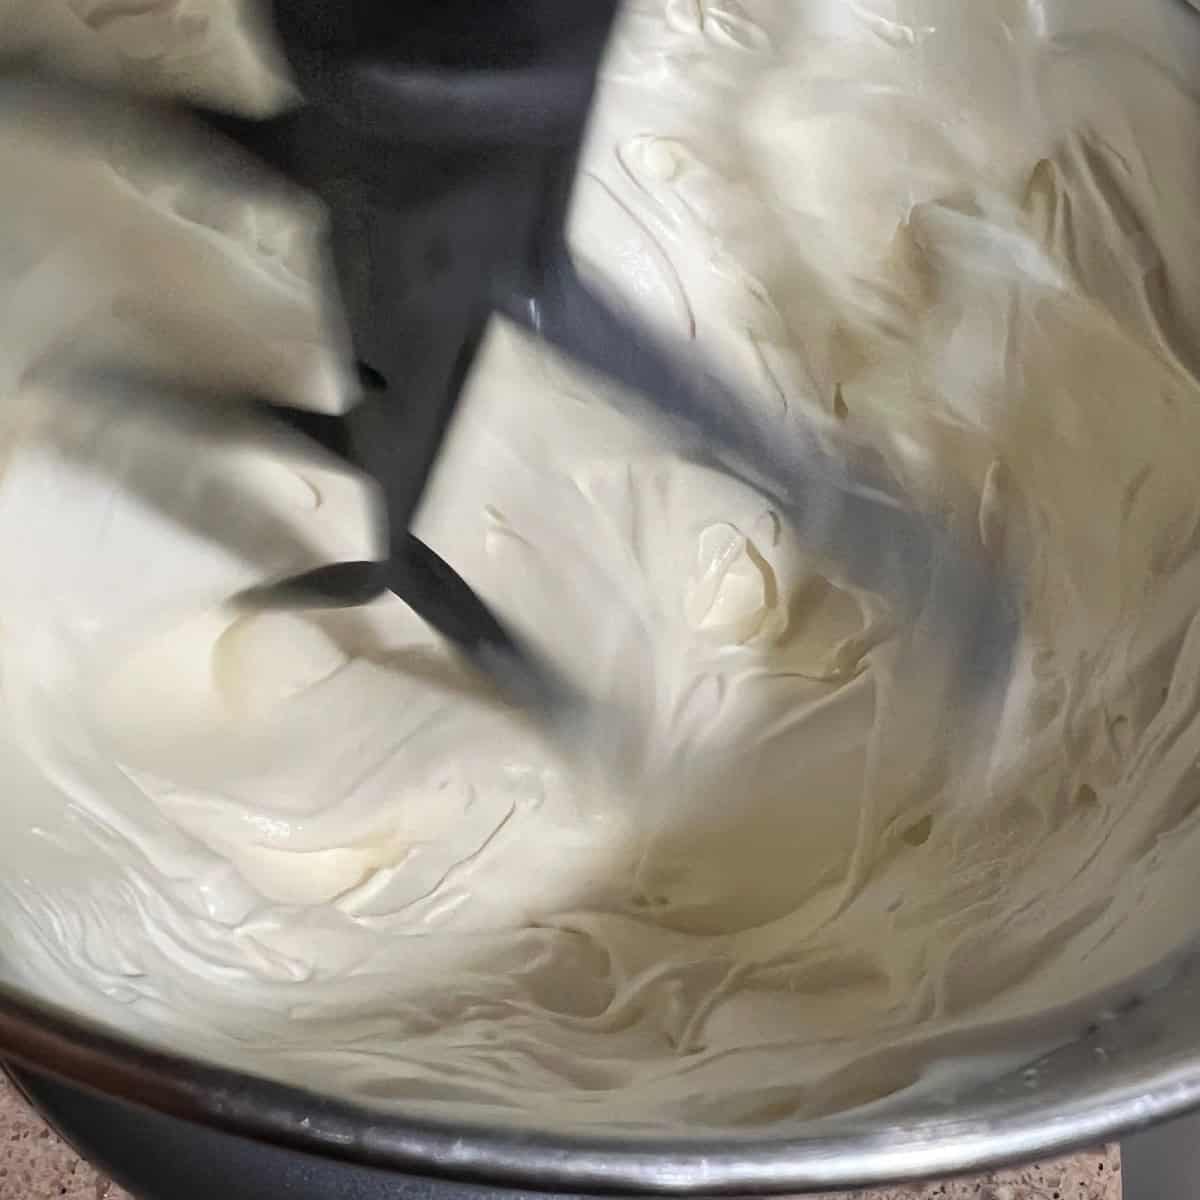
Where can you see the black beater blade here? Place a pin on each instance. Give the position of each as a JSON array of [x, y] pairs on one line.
[[442, 137]]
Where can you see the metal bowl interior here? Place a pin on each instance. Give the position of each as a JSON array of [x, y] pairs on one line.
[[1136, 1063]]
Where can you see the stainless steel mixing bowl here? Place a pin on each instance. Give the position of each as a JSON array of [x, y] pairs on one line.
[[1135, 1063], [1124, 1062]]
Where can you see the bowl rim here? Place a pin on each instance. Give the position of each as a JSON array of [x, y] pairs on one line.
[[1130, 1095]]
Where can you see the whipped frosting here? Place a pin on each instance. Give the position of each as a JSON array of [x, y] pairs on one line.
[[315, 847]]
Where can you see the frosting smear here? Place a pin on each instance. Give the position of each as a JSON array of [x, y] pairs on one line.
[[968, 235]]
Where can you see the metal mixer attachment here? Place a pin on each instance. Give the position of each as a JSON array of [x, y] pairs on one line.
[[442, 137], [442, 140]]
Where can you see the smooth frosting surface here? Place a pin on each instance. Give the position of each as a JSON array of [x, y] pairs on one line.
[[314, 847]]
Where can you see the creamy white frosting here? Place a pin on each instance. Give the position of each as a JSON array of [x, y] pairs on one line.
[[313, 846]]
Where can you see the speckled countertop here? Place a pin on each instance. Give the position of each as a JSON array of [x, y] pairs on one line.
[[36, 1165]]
